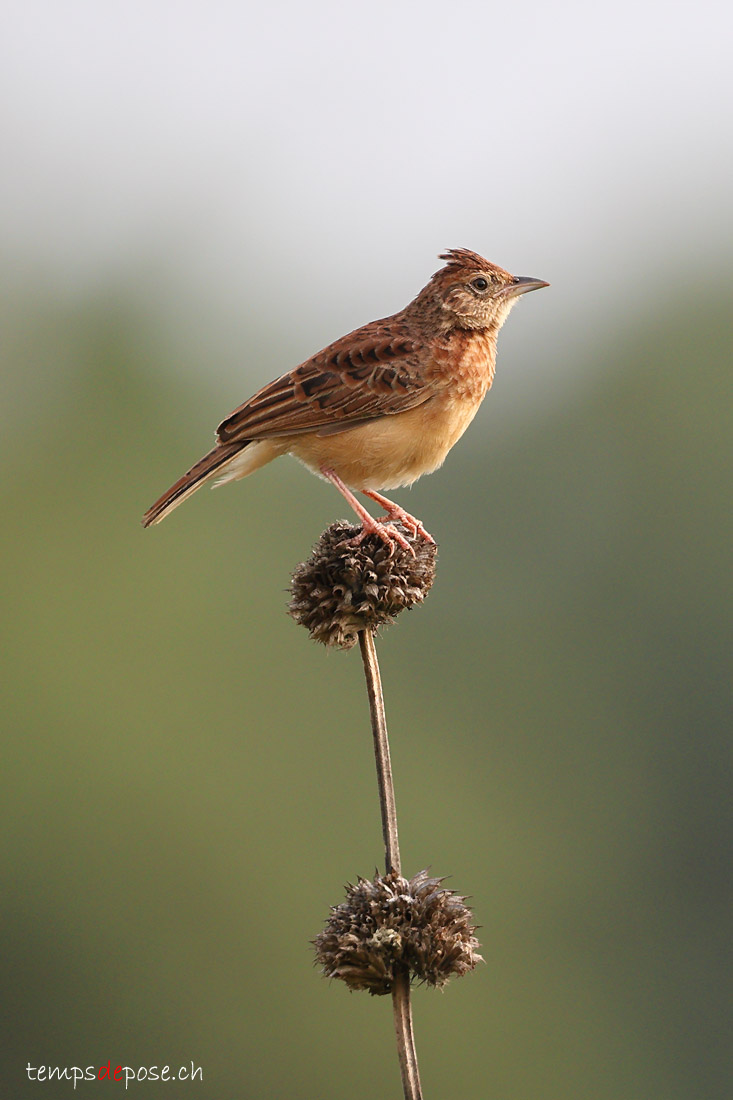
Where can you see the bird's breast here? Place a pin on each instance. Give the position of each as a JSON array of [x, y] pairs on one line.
[[464, 362], [397, 449]]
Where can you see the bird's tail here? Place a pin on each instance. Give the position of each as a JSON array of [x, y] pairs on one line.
[[204, 469]]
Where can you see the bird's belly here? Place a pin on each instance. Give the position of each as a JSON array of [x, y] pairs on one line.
[[392, 451]]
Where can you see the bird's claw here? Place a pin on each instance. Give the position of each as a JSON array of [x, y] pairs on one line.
[[413, 525], [416, 528], [387, 532], [396, 513]]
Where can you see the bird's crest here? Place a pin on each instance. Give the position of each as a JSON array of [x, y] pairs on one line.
[[463, 257], [461, 261]]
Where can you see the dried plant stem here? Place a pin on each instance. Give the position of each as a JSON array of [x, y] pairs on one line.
[[405, 1037], [381, 752], [401, 989]]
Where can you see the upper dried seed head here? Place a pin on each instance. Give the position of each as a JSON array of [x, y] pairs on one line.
[[345, 587]]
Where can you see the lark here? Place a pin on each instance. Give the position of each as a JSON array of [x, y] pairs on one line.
[[380, 407]]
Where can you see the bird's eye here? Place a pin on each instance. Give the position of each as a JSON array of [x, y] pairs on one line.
[[480, 283]]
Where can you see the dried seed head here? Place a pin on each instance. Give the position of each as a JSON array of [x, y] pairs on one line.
[[345, 587], [392, 922]]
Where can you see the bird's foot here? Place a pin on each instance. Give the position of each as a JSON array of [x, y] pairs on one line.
[[393, 513], [387, 532]]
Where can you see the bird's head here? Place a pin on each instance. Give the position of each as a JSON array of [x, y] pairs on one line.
[[471, 293]]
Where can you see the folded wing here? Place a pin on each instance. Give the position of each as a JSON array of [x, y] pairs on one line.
[[370, 373]]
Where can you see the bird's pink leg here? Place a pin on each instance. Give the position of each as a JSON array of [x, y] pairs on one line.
[[388, 533], [394, 512]]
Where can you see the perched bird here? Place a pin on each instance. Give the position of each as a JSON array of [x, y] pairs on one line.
[[379, 407]]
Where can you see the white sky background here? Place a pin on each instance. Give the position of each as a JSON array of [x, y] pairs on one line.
[[309, 160]]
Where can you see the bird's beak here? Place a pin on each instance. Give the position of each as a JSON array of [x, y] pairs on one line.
[[522, 284]]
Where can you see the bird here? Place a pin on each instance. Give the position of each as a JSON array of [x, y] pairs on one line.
[[380, 407]]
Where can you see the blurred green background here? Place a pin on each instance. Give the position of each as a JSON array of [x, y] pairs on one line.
[[187, 780]]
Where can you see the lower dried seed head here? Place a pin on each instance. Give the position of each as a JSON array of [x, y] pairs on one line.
[[392, 922]]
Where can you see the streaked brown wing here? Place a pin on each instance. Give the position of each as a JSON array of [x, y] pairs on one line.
[[372, 372]]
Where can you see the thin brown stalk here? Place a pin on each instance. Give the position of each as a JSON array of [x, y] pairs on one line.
[[401, 989], [405, 1038], [381, 752]]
